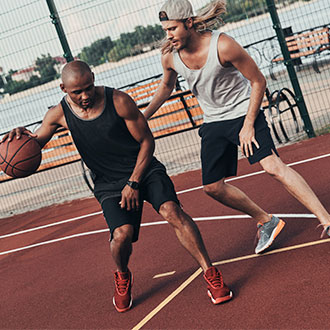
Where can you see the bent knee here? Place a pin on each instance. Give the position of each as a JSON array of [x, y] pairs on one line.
[[123, 234], [273, 166], [174, 215], [170, 210], [214, 189]]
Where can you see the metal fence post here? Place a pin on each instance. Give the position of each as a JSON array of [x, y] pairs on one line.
[[291, 71], [60, 32]]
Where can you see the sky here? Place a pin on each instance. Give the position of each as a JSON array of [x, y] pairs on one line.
[[26, 30]]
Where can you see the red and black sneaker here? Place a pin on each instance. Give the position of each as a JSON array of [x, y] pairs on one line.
[[122, 298], [216, 289]]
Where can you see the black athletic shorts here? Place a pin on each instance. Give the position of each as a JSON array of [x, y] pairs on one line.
[[156, 188], [219, 152]]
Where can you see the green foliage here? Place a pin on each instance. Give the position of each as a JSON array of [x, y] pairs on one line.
[[96, 53], [131, 43], [128, 44], [45, 67], [118, 52], [13, 87], [238, 10]]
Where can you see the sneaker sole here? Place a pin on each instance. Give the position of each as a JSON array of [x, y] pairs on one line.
[[219, 300], [122, 310], [275, 233]]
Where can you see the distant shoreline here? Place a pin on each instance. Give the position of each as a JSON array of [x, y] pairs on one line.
[[234, 25], [98, 69], [111, 65]]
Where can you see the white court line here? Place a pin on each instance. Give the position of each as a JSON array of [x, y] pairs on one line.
[[50, 225], [148, 224], [53, 241], [257, 173], [180, 192]]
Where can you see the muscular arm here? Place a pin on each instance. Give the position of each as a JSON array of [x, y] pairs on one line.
[[231, 53], [165, 88], [53, 119], [139, 129]]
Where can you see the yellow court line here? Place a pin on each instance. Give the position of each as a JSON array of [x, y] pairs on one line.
[[164, 274], [199, 271], [168, 299]]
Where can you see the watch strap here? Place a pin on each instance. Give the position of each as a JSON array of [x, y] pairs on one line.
[[133, 184]]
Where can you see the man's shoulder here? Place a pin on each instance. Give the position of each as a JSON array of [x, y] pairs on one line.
[[55, 113], [56, 109], [123, 102], [167, 60], [225, 40], [119, 96]]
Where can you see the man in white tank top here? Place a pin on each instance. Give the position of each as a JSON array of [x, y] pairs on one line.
[[229, 87]]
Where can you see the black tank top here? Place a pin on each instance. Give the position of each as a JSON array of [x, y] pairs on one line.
[[104, 143]]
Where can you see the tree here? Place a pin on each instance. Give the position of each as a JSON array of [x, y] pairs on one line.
[[97, 52], [119, 51], [45, 67]]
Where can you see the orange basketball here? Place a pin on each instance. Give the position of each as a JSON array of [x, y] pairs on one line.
[[20, 157]]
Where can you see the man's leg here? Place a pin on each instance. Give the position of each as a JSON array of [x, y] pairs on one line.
[[190, 237], [219, 160], [269, 226], [121, 246], [236, 199], [121, 249], [186, 231], [124, 228], [296, 185]]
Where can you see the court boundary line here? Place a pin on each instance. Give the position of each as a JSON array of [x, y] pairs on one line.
[[178, 193], [258, 172], [50, 225], [148, 224], [220, 217], [169, 298]]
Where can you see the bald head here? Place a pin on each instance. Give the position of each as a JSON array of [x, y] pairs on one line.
[[74, 70]]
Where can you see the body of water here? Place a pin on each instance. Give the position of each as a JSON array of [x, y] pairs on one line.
[[32, 108]]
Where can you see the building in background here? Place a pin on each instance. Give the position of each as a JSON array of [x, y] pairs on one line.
[[25, 74]]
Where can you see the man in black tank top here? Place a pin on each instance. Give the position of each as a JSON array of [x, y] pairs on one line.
[[114, 140]]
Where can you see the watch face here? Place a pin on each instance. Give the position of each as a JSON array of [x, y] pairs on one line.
[[133, 184]]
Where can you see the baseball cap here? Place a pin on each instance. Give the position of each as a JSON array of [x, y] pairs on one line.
[[173, 10]]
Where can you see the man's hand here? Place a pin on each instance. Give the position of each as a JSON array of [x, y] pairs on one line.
[[129, 199], [246, 138], [18, 131]]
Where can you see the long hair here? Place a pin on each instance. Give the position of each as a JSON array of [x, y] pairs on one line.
[[206, 18]]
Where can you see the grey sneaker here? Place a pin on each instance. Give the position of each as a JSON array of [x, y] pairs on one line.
[[326, 231], [268, 232]]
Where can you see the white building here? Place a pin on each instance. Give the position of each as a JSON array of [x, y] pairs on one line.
[[24, 74]]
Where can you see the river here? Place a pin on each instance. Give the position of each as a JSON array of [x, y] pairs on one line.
[[17, 111]]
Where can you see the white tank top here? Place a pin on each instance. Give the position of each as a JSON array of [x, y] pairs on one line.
[[222, 92]]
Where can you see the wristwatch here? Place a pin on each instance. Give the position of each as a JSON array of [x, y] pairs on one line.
[[133, 184]]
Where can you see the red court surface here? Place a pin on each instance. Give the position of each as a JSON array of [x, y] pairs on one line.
[[60, 276]]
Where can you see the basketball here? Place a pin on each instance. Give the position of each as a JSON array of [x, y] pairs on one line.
[[20, 157]]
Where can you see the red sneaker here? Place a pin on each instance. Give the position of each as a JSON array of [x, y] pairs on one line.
[[122, 298], [216, 289]]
